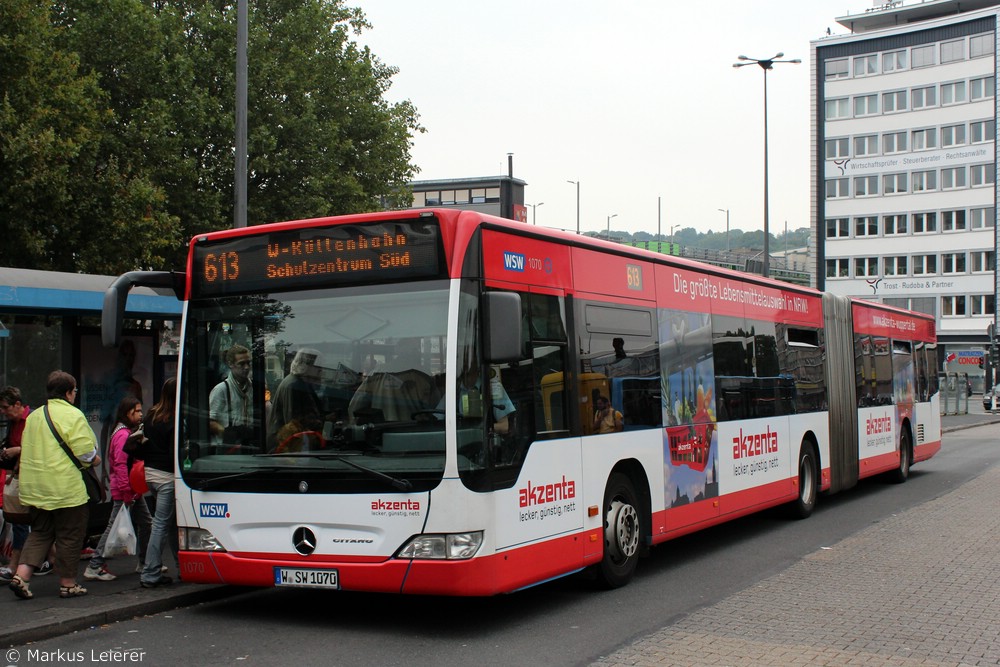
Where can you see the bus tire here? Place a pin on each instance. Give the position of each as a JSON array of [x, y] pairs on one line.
[[622, 532], [805, 503], [902, 473]]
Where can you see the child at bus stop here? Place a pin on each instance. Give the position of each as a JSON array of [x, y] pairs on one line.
[[128, 418]]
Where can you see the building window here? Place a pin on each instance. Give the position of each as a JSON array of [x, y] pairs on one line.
[[982, 218], [953, 93], [922, 56], [894, 142], [952, 262], [894, 101], [866, 105], [921, 98], [838, 148], [836, 69], [952, 221], [837, 268], [924, 139], [838, 188], [924, 181], [982, 88], [895, 266], [837, 228], [982, 130], [866, 65], [865, 186], [838, 109], [924, 223], [983, 174], [893, 61], [952, 178], [953, 306], [894, 184], [894, 224], [952, 135], [982, 261], [865, 267], [982, 45], [952, 51], [924, 265], [981, 304], [866, 144], [867, 226]]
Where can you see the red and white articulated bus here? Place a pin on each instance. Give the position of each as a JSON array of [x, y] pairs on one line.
[[423, 394]]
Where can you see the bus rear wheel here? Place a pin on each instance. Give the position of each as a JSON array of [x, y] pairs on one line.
[[805, 503], [622, 532]]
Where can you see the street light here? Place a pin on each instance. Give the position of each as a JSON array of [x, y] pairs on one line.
[[577, 184], [533, 207], [613, 215], [726, 211], [765, 64]]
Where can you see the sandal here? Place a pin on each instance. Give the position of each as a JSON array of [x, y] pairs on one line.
[[74, 591], [20, 588]]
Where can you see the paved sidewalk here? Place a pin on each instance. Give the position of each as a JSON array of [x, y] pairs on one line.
[[880, 615], [919, 588]]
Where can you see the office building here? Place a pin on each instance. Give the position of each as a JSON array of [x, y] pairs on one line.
[[904, 163]]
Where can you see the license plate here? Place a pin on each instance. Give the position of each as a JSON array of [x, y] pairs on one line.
[[304, 578]]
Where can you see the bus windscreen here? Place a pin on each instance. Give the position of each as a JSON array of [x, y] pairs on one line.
[[285, 259]]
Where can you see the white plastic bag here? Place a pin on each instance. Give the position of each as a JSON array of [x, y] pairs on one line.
[[121, 539]]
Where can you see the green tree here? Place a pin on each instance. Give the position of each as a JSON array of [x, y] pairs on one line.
[[64, 205], [322, 140]]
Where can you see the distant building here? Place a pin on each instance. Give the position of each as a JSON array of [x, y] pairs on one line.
[[501, 196], [903, 145]]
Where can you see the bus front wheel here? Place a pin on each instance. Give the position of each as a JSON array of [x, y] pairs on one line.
[[622, 532], [902, 473]]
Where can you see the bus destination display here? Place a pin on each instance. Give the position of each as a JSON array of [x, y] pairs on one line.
[[317, 256]]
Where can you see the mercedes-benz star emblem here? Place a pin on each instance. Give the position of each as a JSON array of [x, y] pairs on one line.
[[304, 541]]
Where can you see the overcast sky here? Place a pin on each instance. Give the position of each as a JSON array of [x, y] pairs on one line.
[[636, 100]]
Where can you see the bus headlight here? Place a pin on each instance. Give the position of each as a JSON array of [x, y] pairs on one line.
[[198, 539], [450, 546]]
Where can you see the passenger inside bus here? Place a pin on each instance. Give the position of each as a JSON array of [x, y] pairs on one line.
[[296, 407], [470, 399]]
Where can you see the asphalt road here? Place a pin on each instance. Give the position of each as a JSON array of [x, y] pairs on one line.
[[563, 622]]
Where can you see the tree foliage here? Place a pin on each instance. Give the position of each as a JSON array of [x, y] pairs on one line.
[[117, 125]]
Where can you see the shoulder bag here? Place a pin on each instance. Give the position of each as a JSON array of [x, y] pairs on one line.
[[14, 510], [95, 492]]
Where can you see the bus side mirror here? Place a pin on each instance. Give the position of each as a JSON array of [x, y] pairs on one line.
[[503, 326]]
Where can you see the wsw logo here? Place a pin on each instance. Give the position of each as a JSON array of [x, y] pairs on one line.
[[513, 261], [213, 510]]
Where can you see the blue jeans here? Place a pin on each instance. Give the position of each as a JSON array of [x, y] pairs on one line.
[[164, 530], [141, 522]]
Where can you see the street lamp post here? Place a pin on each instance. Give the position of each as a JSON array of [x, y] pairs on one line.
[[534, 220], [577, 184], [613, 215], [765, 64], [726, 211]]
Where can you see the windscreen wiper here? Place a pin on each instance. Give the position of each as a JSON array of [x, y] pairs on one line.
[[203, 484], [395, 482]]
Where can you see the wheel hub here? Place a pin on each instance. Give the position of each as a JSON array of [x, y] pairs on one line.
[[622, 530]]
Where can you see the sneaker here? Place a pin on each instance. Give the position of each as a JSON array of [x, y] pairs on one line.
[[6, 574], [86, 553], [162, 581], [45, 568], [98, 574]]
